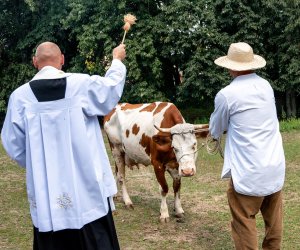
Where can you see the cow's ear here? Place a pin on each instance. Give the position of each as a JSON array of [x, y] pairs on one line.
[[201, 134], [161, 139]]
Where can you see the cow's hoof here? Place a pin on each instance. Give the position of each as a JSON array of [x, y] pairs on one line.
[[117, 198], [179, 215], [164, 220], [129, 206], [180, 220]]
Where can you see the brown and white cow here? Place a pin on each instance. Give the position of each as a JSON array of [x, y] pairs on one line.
[[154, 133]]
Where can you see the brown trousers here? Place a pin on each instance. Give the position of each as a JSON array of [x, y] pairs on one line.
[[243, 225]]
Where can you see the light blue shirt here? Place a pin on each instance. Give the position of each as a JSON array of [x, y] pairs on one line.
[[68, 173], [253, 156]]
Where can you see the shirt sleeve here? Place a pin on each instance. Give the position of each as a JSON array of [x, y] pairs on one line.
[[219, 119], [13, 135], [105, 92]]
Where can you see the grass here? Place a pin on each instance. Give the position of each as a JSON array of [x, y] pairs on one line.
[[207, 219], [289, 125]]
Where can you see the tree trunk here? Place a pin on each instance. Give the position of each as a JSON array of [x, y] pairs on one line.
[[293, 104], [291, 109]]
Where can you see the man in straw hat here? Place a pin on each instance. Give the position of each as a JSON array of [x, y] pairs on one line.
[[254, 158], [51, 128]]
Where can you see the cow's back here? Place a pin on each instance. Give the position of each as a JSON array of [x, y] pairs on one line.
[[130, 127]]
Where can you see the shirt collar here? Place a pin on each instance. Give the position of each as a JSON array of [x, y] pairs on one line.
[[246, 76], [49, 72]]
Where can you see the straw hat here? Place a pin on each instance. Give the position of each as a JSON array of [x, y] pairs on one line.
[[240, 57]]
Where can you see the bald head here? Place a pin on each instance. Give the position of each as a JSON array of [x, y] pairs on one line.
[[48, 54]]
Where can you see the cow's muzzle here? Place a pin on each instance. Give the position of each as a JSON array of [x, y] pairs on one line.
[[187, 172], [187, 168]]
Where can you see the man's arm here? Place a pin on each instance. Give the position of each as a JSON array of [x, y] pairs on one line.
[[219, 119], [105, 92]]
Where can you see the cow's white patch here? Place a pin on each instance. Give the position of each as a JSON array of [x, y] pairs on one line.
[[178, 208], [164, 212], [184, 144]]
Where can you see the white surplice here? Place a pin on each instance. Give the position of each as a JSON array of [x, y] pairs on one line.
[[68, 173]]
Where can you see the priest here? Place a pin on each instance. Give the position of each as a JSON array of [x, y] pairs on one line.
[[51, 129]]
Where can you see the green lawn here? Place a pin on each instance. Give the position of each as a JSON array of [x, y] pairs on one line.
[[207, 218]]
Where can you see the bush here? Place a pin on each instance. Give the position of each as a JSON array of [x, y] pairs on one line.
[[289, 124], [196, 115]]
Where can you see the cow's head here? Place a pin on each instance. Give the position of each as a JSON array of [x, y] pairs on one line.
[[184, 144]]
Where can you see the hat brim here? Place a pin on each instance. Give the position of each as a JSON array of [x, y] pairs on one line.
[[257, 63]]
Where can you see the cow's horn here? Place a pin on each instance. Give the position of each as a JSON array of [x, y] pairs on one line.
[[201, 126], [164, 130]]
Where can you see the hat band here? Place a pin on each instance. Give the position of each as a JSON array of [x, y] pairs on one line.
[[241, 58]]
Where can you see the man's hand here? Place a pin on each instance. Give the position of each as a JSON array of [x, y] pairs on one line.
[[119, 52]]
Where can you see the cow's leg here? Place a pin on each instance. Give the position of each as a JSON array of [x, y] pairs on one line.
[[119, 157], [160, 176], [176, 187]]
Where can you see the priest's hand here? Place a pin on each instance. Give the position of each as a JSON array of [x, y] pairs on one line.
[[119, 52]]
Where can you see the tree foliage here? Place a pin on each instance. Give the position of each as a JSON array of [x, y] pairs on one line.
[[170, 51]]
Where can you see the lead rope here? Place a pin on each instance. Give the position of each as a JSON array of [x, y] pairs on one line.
[[217, 145], [216, 148]]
